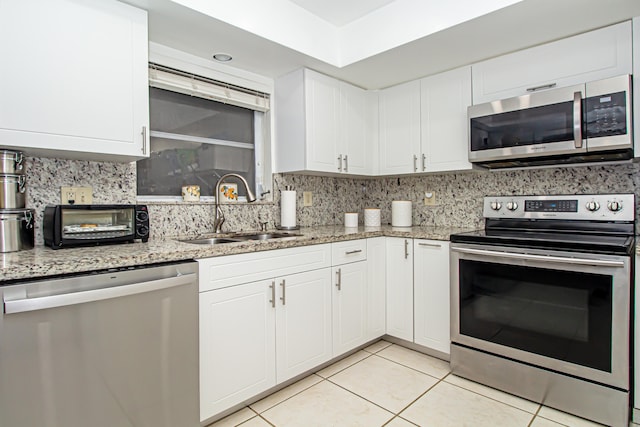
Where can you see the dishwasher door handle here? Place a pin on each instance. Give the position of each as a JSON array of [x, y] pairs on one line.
[[61, 300]]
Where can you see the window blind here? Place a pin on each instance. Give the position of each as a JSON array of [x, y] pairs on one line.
[[190, 84]]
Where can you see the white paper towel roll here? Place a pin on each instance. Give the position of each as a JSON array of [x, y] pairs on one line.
[[401, 213], [288, 208]]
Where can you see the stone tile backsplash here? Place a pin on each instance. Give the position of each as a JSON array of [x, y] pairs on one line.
[[458, 195]]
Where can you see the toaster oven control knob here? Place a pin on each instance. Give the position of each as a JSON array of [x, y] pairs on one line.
[[512, 206], [143, 230], [593, 206], [142, 216], [496, 206], [614, 206]]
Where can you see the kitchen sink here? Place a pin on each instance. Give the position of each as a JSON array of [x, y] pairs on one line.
[[239, 238], [265, 236], [211, 241]]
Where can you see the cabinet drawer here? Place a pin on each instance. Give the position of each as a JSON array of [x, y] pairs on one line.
[[349, 251], [220, 272]]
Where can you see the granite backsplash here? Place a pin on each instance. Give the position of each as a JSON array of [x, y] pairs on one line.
[[458, 195]]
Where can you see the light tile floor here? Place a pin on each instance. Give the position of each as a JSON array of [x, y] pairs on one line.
[[389, 385]]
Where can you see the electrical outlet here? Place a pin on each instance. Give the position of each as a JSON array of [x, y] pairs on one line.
[[307, 198], [429, 198], [76, 195]]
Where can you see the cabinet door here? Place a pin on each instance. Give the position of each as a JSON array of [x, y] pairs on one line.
[[237, 345], [400, 128], [355, 147], [586, 57], [443, 109], [431, 292], [636, 99], [322, 108], [349, 306], [76, 83], [303, 322], [399, 253], [376, 288]]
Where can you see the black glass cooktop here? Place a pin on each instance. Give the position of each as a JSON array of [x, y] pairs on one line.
[[554, 240]]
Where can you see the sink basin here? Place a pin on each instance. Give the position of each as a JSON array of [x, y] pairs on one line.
[[239, 238], [265, 236], [211, 241]]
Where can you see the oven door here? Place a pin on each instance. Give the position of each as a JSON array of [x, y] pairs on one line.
[[563, 311]]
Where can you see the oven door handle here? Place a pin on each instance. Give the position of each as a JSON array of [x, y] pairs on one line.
[[546, 258]]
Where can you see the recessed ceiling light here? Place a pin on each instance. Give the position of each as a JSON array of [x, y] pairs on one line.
[[222, 57]]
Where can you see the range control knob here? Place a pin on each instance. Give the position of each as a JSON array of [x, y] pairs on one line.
[[496, 206], [593, 206], [614, 206], [512, 206]]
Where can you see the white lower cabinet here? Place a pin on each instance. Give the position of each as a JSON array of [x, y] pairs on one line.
[[376, 288], [255, 335], [349, 306], [303, 322], [431, 294], [237, 345], [399, 277]]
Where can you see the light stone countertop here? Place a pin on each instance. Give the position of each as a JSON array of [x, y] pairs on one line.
[[43, 261]]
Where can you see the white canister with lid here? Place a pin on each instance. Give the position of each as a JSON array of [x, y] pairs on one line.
[[401, 213], [372, 217]]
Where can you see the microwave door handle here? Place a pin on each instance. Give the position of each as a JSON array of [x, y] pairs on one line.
[[577, 119]]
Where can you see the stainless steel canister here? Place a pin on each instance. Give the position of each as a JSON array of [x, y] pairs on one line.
[[11, 162], [16, 229], [12, 191]]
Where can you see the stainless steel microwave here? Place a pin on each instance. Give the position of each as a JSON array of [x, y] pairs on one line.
[[583, 123]]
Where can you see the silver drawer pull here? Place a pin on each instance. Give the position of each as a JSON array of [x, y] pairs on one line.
[[272, 286], [430, 245], [283, 297], [542, 87], [357, 251]]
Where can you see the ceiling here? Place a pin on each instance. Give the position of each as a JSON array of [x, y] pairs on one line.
[[316, 29]]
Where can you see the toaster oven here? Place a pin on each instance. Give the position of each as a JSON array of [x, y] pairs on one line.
[[85, 225]]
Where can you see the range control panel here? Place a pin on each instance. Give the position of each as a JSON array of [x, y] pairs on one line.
[[604, 207]]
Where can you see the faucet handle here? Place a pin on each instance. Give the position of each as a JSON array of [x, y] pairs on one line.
[[263, 225]]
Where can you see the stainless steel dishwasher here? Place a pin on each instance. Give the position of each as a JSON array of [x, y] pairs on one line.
[[107, 349]]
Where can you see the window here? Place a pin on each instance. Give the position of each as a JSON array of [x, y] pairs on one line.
[[201, 130]]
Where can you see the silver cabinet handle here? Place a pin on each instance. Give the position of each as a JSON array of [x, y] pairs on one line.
[[357, 251], [340, 163], [346, 163], [430, 245], [61, 300], [144, 140], [406, 249], [577, 119], [415, 163], [283, 297], [272, 286], [545, 258], [535, 88], [424, 162], [339, 279]]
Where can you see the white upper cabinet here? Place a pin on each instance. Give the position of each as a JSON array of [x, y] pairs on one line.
[[322, 125], [73, 80], [400, 128], [423, 124], [444, 129], [586, 57]]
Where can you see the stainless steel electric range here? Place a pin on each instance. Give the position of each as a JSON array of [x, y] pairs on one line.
[[541, 301]]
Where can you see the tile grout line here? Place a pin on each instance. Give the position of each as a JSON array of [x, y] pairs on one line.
[[293, 395]]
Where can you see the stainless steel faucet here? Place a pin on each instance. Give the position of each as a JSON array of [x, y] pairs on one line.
[[219, 219]]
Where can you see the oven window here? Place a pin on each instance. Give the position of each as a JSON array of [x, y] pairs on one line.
[[538, 125], [565, 315]]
